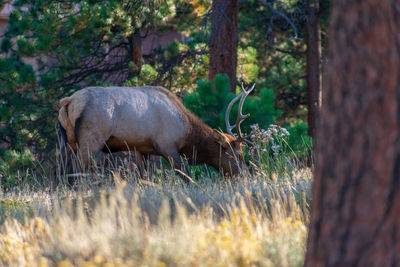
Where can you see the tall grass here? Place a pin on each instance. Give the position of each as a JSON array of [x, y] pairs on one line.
[[256, 221], [122, 218]]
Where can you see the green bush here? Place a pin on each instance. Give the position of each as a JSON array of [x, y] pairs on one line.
[[298, 139], [16, 209], [16, 168], [146, 76], [210, 105]]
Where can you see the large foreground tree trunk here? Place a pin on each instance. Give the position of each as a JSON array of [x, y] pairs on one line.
[[313, 39], [224, 40], [355, 217]]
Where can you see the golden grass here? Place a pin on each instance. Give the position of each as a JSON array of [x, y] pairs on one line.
[[257, 222]]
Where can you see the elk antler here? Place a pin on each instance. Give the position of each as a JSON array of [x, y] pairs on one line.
[[240, 116]]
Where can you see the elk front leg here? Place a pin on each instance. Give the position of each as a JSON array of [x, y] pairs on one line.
[[142, 163], [176, 163]]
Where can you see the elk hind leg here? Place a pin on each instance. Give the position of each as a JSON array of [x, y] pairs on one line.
[[90, 144]]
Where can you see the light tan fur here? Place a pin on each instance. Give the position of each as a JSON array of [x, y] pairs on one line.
[[65, 121], [150, 120], [70, 109]]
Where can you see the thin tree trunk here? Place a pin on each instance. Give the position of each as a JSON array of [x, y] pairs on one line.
[[224, 40], [135, 46], [355, 217], [314, 87]]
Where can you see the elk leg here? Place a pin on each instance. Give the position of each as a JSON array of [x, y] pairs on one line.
[[141, 163], [87, 151], [175, 161], [89, 145], [146, 163], [139, 160]]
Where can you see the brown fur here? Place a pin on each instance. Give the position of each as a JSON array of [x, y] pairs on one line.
[[205, 145], [200, 145]]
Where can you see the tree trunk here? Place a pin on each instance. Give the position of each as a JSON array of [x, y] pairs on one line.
[[224, 40], [355, 217], [135, 53], [313, 39]]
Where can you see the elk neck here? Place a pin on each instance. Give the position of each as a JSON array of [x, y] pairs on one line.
[[200, 146]]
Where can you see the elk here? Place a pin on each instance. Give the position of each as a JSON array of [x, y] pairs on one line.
[[148, 120]]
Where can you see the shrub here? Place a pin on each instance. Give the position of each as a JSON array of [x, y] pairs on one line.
[[16, 209], [16, 168], [210, 104]]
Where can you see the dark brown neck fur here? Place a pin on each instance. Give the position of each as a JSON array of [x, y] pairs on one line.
[[200, 145]]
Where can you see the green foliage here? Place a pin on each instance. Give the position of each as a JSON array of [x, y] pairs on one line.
[[280, 51], [210, 104], [16, 101], [147, 74], [298, 139], [278, 150], [247, 70], [16, 209], [16, 168]]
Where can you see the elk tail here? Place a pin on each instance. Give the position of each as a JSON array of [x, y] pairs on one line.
[[63, 114], [66, 125]]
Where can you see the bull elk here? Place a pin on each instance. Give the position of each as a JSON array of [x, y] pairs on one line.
[[149, 120]]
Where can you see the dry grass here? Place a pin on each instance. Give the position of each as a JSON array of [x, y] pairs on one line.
[[252, 222]]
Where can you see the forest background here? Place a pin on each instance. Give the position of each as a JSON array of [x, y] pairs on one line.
[[74, 44], [50, 49]]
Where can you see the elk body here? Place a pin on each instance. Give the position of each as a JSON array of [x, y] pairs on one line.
[[149, 120]]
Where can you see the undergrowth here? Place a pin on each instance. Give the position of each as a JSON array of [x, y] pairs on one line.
[[115, 216]]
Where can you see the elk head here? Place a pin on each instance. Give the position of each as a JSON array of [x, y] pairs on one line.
[[231, 146]]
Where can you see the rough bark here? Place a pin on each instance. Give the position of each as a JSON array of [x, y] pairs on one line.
[[314, 87], [224, 40], [355, 217]]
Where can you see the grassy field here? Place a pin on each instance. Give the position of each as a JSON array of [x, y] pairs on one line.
[[259, 221], [116, 218]]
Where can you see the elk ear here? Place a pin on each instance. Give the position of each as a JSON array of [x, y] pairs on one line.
[[221, 138]]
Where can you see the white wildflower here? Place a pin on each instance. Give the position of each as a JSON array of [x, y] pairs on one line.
[[266, 133], [275, 147], [285, 132], [254, 127]]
